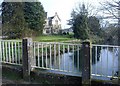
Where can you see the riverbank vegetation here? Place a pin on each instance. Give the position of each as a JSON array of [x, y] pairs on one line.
[[85, 25]]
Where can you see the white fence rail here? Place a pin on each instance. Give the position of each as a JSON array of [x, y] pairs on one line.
[[105, 61], [64, 57], [57, 56], [11, 51]]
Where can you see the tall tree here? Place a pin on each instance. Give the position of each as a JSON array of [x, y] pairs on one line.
[[22, 18], [94, 25], [34, 15], [79, 23], [13, 19]]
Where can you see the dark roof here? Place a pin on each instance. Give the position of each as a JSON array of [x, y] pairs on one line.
[[50, 18]]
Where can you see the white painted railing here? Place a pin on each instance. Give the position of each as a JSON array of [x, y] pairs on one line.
[[57, 56], [105, 61], [64, 57], [11, 51]]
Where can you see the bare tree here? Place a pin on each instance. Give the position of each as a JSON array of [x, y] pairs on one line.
[[112, 11], [90, 9]]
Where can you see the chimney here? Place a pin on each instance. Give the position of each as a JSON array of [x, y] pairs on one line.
[[55, 13], [45, 14]]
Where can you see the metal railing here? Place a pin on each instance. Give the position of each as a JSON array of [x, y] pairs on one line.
[[11, 51], [105, 61], [64, 57], [57, 56]]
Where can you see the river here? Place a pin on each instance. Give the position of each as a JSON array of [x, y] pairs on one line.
[[105, 62]]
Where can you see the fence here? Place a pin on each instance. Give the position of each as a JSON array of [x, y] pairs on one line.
[[66, 57], [11, 51], [54, 56], [105, 61]]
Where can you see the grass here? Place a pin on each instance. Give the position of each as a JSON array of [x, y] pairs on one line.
[[63, 38], [52, 38]]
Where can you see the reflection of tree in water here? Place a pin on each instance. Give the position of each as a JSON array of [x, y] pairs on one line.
[[96, 50], [113, 50], [97, 54], [76, 59], [94, 54]]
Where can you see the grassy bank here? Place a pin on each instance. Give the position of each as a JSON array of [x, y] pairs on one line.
[[52, 38], [64, 38]]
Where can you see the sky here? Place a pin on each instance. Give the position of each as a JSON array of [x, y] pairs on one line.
[[1, 1], [64, 8]]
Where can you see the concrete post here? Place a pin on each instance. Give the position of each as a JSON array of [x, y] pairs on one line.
[[119, 66], [27, 57], [0, 63], [119, 43], [86, 63]]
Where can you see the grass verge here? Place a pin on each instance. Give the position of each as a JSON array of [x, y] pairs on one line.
[[52, 38]]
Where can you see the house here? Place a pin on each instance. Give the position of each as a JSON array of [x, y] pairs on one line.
[[52, 25]]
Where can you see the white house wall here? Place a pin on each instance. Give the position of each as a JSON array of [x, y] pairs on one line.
[[55, 18], [46, 21]]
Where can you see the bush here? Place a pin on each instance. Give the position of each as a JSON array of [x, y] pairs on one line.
[[64, 33]]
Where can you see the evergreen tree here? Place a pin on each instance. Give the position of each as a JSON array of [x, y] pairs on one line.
[[34, 16], [94, 26], [80, 27], [79, 23], [13, 19], [21, 19], [84, 25]]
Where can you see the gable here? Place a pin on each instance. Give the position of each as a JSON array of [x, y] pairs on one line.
[[57, 17]]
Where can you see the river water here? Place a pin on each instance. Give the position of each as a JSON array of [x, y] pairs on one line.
[[105, 63]]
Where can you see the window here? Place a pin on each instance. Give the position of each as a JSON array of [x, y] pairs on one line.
[[56, 22]]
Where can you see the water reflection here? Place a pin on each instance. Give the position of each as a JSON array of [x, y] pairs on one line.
[[104, 61], [107, 64], [96, 51]]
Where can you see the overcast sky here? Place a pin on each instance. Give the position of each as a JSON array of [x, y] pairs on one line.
[[64, 7]]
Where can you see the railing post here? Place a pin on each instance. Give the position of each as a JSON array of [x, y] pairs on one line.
[[27, 57], [0, 52], [86, 63], [119, 65], [0, 63], [119, 43]]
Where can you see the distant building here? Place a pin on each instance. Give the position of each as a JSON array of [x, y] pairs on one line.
[[52, 25]]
